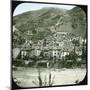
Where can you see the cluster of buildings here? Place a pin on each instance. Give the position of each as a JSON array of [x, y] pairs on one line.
[[59, 45], [55, 46]]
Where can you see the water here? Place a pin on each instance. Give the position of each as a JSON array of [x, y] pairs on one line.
[[64, 76]]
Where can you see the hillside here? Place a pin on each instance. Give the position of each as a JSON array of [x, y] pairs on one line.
[[39, 18], [78, 20], [47, 21]]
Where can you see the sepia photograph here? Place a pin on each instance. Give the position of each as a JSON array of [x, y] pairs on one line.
[[49, 44]]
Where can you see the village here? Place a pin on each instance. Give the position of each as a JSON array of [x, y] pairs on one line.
[[47, 61], [62, 49], [49, 47]]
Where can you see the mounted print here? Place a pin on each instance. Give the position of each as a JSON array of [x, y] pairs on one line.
[[49, 44]]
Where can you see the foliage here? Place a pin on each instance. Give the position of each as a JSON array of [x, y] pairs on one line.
[[44, 82], [40, 20]]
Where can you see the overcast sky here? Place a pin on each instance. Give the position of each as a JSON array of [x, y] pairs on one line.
[[24, 7]]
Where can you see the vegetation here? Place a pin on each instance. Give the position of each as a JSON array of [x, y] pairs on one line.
[[45, 82], [40, 21]]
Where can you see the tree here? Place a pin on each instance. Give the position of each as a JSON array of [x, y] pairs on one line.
[[76, 44], [73, 59]]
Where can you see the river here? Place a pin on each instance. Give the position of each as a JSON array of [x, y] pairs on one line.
[[64, 76]]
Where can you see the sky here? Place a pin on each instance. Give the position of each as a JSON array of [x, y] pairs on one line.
[[24, 7]]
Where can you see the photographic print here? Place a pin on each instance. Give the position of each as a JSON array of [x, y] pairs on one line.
[[49, 44]]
